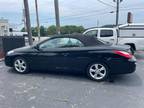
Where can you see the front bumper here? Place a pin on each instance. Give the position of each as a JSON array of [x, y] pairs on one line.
[[9, 61]]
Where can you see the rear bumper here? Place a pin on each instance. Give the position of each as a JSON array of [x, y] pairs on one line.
[[118, 66]]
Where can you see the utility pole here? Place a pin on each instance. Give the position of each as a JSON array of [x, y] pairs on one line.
[[56, 3], [24, 20], [28, 23], [117, 11], [37, 19]]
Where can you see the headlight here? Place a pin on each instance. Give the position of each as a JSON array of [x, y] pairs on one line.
[[10, 52]]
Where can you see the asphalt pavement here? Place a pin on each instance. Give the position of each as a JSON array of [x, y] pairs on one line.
[[61, 90]]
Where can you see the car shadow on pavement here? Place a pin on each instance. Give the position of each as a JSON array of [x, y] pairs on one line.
[[55, 75], [132, 80], [128, 80]]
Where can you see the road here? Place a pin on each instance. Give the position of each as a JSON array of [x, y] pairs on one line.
[[61, 90]]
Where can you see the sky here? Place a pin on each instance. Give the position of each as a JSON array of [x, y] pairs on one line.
[[88, 13]]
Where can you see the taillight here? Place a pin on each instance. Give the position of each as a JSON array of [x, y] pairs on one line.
[[124, 54]]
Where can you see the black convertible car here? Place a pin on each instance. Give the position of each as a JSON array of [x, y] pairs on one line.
[[74, 53]]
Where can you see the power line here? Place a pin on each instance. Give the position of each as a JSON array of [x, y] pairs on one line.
[[97, 11], [133, 5], [93, 12], [107, 4], [84, 13], [80, 17], [125, 9], [77, 6], [85, 16]]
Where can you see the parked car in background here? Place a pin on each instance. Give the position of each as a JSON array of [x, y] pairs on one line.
[[128, 34], [73, 53], [24, 34]]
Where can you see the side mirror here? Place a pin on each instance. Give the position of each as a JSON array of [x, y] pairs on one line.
[[37, 47]]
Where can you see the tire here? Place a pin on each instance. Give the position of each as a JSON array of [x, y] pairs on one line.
[[20, 65], [98, 72]]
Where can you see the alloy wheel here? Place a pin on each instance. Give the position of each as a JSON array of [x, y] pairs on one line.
[[97, 71], [20, 65]]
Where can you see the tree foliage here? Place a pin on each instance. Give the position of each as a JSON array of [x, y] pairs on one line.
[[71, 29], [51, 30], [43, 31]]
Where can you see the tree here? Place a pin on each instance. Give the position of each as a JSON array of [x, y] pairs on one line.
[[70, 29], [43, 31], [51, 30], [34, 31]]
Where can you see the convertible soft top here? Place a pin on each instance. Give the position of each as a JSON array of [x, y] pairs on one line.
[[86, 39]]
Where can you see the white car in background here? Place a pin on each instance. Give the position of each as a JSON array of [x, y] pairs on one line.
[[128, 34]]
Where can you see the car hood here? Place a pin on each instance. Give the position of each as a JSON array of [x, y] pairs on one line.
[[23, 49]]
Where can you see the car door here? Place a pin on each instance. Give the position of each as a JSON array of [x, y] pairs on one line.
[[107, 35], [75, 55], [51, 54]]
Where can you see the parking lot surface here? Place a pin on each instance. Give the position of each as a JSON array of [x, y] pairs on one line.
[[61, 90]]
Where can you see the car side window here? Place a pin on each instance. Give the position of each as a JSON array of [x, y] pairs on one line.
[[92, 33], [106, 33], [61, 43], [75, 43]]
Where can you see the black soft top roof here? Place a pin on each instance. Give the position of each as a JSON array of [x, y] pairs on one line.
[[86, 39]]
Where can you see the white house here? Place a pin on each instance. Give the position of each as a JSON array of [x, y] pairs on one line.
[[4, 27]]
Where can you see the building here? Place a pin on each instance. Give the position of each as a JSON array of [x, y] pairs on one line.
[[4, 27]]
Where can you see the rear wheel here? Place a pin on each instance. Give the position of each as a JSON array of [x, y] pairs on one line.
[[20, 65], [98, 72]]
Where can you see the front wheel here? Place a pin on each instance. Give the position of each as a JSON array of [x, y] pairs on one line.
[[20, 65], [98, 72]]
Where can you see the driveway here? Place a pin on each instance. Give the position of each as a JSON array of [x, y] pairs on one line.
[[61, 90]]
